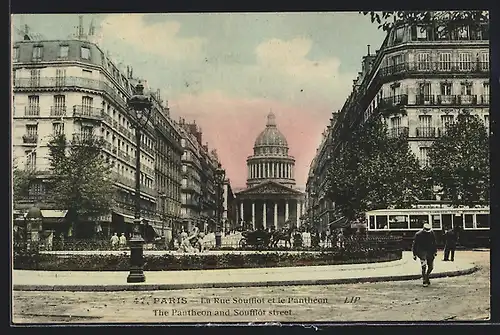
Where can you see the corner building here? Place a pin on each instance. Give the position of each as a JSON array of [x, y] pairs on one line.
[[71, 87], [270, 199]]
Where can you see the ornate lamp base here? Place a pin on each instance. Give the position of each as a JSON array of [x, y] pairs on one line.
[[136, 274]]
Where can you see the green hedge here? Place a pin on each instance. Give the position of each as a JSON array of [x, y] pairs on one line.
[[169, 262]]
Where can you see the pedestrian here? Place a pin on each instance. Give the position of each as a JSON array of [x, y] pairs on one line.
[[450, 240], [424, 247], [123, 241], [114, 241]]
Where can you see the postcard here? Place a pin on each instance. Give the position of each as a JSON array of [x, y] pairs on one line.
[[248, 168]]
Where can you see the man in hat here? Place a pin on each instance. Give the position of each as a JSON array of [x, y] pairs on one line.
[[424, 247]]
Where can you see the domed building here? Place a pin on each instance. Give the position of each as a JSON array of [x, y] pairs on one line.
[[270, 199]]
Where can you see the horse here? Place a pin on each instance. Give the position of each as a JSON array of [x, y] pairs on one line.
[[281, 235]]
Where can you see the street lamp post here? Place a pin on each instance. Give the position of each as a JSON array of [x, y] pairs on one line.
[[34, 216], [163, 196], [220, 175], [141, 108]]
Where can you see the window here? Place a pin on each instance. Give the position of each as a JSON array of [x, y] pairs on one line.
[[31, 130], [87, 102], [485, 61], [469, 223], [59, 107], [382, 222], [482, 221], [33, 107], [85, 52], [464, 61], [424, 61], [418, 221], [63, 51], [396, 122], [445, 61], [372, 222], [446, 120], [442, 33], [396, 60], [466, 89], [424, 156], [436, 221], [58, 128], [463, 33], [35, 78], [87, 131], [398, 222], [15, 54], [487, 123], [37, 53], [445, 88], [398, 35], [446, 221], [425, 121], [31, 160]]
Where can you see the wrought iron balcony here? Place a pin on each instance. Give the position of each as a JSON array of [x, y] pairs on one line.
[[398, 132], [447, 100], [30, 139], [484, 99], [467, 99], [33, 110], [434, 67], [82, 138], [425, 132], [425, 99], [87, 112], [442, 131], [396, 100], [58, 111]]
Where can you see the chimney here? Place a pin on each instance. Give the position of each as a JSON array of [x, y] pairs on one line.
[[368, 49], [80, 26]]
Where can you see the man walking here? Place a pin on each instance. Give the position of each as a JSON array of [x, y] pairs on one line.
[[424, 247], [114, 241]]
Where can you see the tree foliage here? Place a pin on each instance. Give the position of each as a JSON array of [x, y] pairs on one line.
[[80, 182], [21, 181], [459, 161], [449, 20], [373, 170]]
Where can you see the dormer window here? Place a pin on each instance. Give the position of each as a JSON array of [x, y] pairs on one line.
[[398, 35], [463, 33], [421, 33], [37, 52], [85, 53], [15, 54], [63, 51]]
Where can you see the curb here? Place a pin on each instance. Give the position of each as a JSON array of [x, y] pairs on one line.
[[167, 287]]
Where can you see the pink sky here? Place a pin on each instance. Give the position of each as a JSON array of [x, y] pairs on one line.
[[231, 126]]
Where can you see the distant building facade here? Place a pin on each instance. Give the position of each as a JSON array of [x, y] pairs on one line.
[[270, 199]]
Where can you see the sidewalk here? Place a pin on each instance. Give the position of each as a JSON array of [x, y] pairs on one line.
[[404, 269]]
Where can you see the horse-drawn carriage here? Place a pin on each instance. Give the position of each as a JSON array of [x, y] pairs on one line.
[[255, 238]]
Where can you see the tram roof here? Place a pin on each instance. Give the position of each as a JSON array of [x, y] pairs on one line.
[[430, 209]]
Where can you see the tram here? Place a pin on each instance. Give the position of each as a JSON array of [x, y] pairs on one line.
[[473, 224]]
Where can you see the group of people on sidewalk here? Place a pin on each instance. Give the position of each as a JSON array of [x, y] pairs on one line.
[[425, 249], [118, 242]]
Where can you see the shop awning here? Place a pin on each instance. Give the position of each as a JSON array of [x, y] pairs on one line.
[[54, 213], [130, 218]]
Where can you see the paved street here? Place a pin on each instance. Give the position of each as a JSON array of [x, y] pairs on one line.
[[454, 298]]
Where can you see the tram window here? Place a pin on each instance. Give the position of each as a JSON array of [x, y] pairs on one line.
[[381, 222], [372, 222], [418, 221], [483, 220], [446, 221], [469, 223], [398, 222], [436, 222]]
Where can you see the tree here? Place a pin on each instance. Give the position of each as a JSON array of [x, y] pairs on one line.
[[21, 181], [80, 182], [373, 170], [449, 20], [459, 161]]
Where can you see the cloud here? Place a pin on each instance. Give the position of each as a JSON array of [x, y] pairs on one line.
[[158, 38]]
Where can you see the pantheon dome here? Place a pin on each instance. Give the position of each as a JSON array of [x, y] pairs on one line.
[[270, 159]]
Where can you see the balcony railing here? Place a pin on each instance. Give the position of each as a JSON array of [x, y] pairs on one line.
[[425, 132], [398, 132], [87, 112], [32, 111], [131, 183], [447, 99], [435, 67], [442, 131], [58, 111], [30, 139], [81, 138], [484, 99], [424, 99], [401, 99], [467, 99]]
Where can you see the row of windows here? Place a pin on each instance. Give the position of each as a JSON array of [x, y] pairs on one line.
[[428, 33], [438, 221], [444, 59], [37, 53]]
